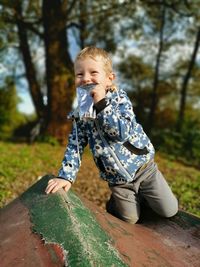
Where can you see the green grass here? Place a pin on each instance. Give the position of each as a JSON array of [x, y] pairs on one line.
[[184, 181], [21, 165]]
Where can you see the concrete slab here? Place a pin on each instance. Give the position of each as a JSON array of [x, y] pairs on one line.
[[63, 230]]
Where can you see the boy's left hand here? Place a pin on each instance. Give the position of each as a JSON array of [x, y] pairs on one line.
[[98, 93]]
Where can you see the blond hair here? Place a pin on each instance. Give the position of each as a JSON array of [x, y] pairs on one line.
[[95, 52]]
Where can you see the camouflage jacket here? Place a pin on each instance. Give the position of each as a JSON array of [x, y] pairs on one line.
[[118, 143]]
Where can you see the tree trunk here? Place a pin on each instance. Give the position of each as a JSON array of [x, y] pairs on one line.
[[59, 68], [82, 22], [34, 87], [185, 83], [154, 101]]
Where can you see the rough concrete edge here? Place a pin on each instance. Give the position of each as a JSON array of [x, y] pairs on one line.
[[64, 251], [40, 234]]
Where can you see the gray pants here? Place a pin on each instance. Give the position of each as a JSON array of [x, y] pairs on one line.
[[149, 185]]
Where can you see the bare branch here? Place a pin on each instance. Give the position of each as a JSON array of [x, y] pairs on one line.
[[69, 10], [173, 6], [105, 11], [29, 25]]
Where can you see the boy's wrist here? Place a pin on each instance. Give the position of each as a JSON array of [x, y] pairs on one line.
[[60, 177], [100, 105]]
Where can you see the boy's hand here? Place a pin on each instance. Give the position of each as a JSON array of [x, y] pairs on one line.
[[98, 93], [55, 184]]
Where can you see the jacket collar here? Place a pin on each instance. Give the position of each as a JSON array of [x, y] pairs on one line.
[[74, 114]]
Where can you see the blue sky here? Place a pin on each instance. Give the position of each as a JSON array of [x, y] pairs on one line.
[[26, 106]]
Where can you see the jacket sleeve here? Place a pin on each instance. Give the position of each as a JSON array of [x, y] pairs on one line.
[[77, 141], [117, 119]]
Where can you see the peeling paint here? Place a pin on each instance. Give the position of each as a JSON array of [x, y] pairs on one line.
[[62, 219], [19, 245]]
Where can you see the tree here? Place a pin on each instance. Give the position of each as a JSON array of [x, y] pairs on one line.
[[58, 67], [186, 81], [44, 25], [49, 22], [137, 76], [155, 30], [9, 116], [34, 86], [154, 98]]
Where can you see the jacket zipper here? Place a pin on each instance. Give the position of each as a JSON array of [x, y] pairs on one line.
[[122, 169]]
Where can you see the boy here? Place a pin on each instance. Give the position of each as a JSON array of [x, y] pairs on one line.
[[121, 150]]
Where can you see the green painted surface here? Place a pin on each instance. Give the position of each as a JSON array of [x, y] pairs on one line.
[[62, 218], [186, 220]]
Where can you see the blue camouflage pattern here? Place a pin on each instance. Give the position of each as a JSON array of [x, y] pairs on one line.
[[106, 135]]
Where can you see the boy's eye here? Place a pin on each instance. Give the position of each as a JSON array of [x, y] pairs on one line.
[[94, 72], [79, 75]]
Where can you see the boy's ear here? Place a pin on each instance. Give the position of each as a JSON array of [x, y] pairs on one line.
[[112, 76]]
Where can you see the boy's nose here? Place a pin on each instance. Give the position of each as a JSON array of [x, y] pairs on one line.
[[86, 78]]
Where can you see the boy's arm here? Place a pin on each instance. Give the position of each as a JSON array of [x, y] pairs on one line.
[[72, 159], [77, 141]]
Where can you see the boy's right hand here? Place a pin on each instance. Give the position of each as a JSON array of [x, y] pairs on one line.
[[55, 184], [98, 93]]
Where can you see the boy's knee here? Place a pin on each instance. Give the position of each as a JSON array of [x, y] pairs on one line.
[[170, 212], [127, 218], [131, 219]]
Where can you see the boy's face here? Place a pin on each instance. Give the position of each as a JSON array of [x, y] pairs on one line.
[[88, 71]]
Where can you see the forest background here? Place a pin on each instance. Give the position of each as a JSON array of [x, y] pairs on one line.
[[155, 49]]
